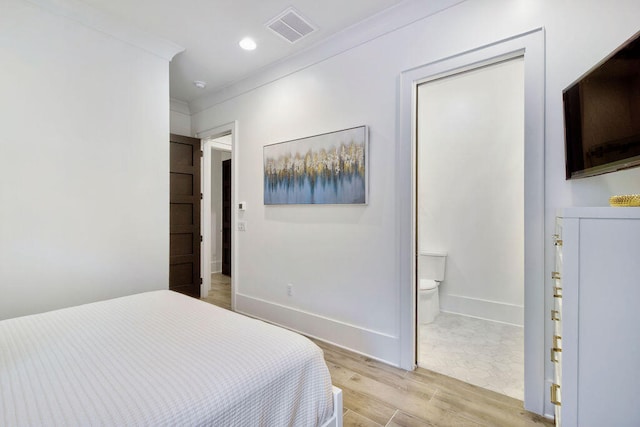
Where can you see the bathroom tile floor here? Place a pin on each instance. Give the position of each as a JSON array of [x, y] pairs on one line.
[[480, 352], [377, 395]]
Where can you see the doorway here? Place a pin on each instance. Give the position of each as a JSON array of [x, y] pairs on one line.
[[218, 222], [470, 226], [226, 216], [530, 46]]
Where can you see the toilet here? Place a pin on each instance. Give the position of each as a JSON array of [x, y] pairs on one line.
[[431, 267]]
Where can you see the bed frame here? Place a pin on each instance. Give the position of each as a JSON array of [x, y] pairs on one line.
[[336, 417]]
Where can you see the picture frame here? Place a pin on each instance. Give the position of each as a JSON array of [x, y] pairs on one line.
[[330, 168]]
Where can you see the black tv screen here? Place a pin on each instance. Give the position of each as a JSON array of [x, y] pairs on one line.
[[602, 115]]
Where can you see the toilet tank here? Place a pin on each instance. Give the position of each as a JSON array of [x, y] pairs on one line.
[[431, 265]]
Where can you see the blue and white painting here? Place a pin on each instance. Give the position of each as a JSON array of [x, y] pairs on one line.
[[322, 169]]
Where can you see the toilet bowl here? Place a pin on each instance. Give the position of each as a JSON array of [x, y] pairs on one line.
[[431, 266], [429, 301]]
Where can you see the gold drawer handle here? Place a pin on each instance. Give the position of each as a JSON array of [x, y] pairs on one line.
[[554, 354], [556, 342], [555, 394], [555, 315], [555, 275], [557, 240], [557, 292]]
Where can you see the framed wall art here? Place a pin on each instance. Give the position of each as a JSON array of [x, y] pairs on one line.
[[323, 169]]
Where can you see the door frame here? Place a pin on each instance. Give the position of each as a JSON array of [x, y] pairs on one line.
[[530, 45], [208, 144]]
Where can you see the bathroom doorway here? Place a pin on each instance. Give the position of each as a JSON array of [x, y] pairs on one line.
[[470, 206]]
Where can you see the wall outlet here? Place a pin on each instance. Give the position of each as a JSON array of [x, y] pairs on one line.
[[242, 226], [290, 289]]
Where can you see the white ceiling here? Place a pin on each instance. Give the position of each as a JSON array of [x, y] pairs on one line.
[[210, 30]]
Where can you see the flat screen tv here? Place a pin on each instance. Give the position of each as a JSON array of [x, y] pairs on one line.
[[602, 115]]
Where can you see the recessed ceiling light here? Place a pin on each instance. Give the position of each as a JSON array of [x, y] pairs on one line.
[[247, 43], [199, 84]]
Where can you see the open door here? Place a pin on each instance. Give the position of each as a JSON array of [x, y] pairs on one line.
[[184, 215]]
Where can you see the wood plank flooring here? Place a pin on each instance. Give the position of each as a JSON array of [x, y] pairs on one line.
[[220, 293], [376, 394]]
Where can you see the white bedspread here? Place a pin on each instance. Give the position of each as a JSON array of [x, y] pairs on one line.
[[158, 358]]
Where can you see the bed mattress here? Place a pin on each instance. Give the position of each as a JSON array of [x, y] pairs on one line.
[[158, 358]]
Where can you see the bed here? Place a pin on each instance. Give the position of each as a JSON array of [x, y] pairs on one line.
[[160, 359]]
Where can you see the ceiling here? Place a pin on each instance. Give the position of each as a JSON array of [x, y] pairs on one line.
[[210, 30]]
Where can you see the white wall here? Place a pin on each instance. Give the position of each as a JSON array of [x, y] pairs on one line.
[[470, 145], [180, 118], [84, 159], [343, 260]]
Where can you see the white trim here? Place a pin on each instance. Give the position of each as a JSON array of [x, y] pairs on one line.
[[599, 212], [532, 44], [217, 145], [389, 20], [494, 311], [214, 132], [205, 220], [207, 145], [356, 339], [235, 179], [88, 16]]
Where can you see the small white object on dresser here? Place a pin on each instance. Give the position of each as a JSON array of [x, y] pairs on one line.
[[596, 313]]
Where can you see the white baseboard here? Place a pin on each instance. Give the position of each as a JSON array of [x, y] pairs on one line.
[[216, 266], [483, 309], [377, 345]]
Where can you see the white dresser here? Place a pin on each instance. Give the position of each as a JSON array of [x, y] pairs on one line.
[[596, 317]]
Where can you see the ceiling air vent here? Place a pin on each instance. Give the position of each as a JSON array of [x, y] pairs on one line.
[[290, 25]]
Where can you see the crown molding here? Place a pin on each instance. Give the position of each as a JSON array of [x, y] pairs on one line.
[[179, 106], [88, 16], [387, 21]]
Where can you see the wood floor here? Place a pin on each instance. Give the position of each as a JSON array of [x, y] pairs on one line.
[[376, 394], [220, 293]]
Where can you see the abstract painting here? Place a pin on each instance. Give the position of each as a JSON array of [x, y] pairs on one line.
[[324, 169]]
